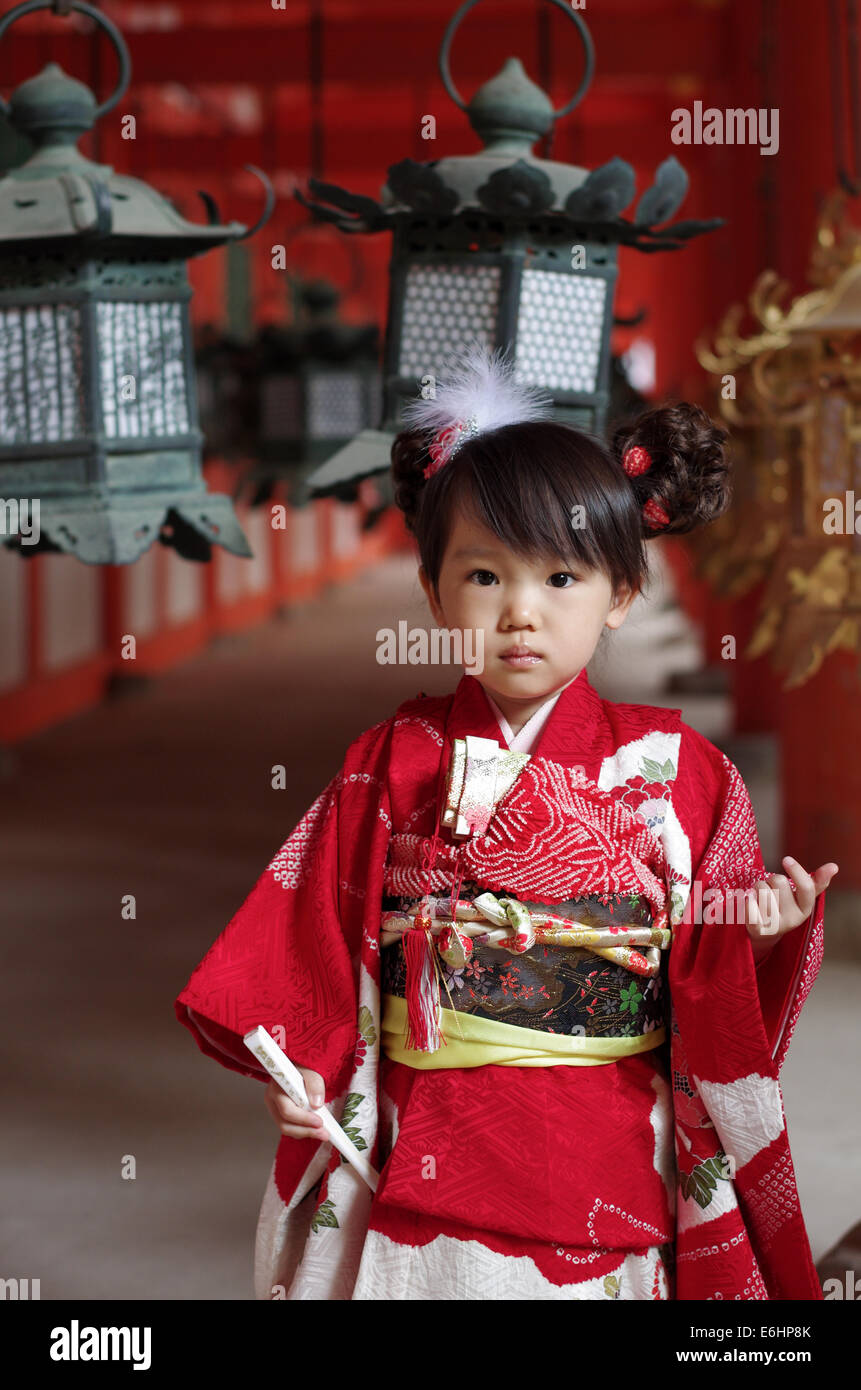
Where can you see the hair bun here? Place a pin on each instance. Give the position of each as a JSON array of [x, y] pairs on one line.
[[409, 460], [688, 479]]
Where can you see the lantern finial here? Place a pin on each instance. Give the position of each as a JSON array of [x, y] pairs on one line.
[[510, 112], [52, 107]]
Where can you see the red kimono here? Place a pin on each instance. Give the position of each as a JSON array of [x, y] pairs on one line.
[[660, 1172]]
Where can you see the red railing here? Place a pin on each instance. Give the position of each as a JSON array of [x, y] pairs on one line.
[[65, 626]]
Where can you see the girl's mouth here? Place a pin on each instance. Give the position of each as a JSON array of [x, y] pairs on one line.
[[520, 657]]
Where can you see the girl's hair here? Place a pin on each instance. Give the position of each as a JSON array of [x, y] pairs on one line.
[[523, 481]]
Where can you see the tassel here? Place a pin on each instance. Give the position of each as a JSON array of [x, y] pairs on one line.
[[422, 989]]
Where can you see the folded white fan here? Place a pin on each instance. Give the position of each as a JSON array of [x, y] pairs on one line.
[[282, 1070]]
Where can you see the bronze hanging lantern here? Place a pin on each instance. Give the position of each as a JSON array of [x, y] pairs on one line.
[[500, 246], [317, 379], [98, 414], [225, 367]]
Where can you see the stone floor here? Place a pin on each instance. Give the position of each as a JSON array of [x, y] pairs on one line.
[[165, 794]]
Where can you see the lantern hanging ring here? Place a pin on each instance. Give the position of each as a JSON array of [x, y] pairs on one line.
[[267, 206], [63, 8], [585, 38]]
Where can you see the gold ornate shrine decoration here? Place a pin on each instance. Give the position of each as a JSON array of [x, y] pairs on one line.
[[790, 390]]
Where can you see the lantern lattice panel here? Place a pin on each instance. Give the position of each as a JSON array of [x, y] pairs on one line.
[[445, 308], [336, 404], [40, 366], [143, 341], [281, 407], [560, 330]]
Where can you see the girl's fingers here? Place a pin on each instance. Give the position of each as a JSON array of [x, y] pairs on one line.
[[769, 908], [762, 912], [287, 1109], [823, 876], [295, 1115], [291, 1117], [792, 910], [804, 884], [297, 1130], [301, 1132], [315, 1086], [809, 885]]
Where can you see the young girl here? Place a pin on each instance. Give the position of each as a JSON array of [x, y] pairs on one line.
[[523, 943]]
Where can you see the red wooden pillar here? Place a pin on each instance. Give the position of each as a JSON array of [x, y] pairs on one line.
[[717, 626], [820, 734], [755, 686], [820, 722]]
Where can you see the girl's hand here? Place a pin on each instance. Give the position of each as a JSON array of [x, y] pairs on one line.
[[772, 908], [291, 1119]]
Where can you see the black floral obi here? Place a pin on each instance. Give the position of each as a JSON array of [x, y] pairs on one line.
[[551, 988]]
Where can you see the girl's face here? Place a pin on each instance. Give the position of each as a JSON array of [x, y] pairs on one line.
[[554, 610]]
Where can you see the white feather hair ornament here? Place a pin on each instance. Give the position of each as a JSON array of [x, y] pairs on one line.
[[480, 393]]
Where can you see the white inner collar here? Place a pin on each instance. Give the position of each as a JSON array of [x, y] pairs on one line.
[[525, 740]]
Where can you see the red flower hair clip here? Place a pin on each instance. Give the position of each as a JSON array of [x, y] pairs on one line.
[[447, 441], [636, 460], [655, 515]]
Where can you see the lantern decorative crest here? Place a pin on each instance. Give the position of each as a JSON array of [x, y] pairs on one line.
[[98, 412], [500, 246], [796, 416]]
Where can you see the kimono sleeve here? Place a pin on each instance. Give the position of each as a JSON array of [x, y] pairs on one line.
[[727, 859], [289, 958]]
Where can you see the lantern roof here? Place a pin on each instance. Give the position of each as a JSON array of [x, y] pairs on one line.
[[509, 114], [506, 180], [59, 196], [294, 346]]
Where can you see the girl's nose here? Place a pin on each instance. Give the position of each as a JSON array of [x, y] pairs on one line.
[[518, 612]]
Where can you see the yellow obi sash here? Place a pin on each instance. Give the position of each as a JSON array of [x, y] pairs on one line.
[[488, 1042]]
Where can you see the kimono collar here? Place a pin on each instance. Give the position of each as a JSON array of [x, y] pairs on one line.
[[567, 736]]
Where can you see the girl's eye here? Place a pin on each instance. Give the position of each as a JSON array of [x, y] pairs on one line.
[[562, 574], [488, 577]]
